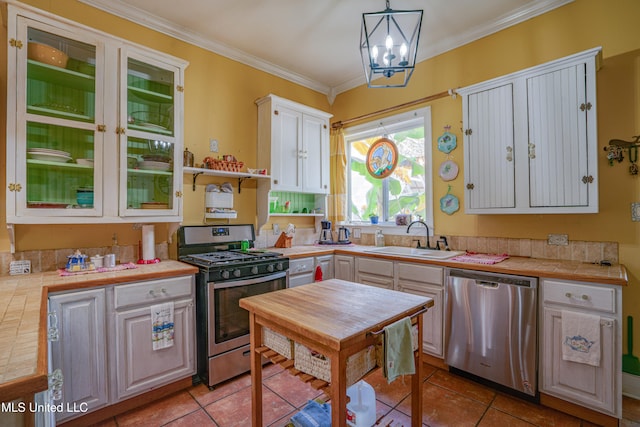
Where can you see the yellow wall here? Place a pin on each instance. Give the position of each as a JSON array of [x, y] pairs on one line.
[[220, 95], [219, 103], [575, 27]]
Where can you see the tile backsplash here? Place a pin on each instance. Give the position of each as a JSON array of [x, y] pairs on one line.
[[51, 260], [576, 250]]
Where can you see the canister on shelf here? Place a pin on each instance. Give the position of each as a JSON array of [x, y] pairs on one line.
[[188, 158]]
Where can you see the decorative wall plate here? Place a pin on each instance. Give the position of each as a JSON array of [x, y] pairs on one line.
[[447, 142], [448, 170], [382, 158], [449, 203]]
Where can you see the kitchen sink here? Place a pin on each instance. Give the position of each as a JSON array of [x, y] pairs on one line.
[[414, 252]]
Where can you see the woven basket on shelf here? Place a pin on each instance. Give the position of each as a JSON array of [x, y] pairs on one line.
[[319, 366], [223, 165], [278, 343]]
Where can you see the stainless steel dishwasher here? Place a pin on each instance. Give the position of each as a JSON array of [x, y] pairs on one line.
[[491, 328]]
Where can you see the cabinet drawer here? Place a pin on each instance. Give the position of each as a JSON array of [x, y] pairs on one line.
[[374, 266], [579, 295], [152, 291], [419, 273], [301, 265]]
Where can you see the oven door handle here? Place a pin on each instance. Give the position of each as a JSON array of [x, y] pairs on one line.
[[253, 281]]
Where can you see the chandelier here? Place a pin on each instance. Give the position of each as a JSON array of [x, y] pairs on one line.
[[388, 45]]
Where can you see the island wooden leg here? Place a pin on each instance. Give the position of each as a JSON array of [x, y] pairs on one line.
[[255, 331], [416, 382], [338, 390]]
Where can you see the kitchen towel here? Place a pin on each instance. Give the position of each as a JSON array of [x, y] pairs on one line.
[[314, 414], [162, 332], [581, 338], [398, 350]]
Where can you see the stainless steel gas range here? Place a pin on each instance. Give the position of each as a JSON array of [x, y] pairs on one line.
[[227, 274]]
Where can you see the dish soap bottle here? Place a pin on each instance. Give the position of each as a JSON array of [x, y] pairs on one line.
[[379, 238]]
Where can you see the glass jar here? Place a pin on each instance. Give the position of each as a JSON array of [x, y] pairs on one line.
[[379, 238]]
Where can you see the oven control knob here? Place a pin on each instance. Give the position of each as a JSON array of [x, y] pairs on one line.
[[237, 273], [270, 268], [225, 274], [254, 269], [279, 266]]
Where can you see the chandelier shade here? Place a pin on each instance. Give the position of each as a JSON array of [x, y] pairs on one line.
[[389, 45]]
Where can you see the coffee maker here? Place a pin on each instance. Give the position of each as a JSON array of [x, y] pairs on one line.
[[326, 236]]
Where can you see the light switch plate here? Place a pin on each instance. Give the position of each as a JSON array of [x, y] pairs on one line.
[[558, 239], [19, 267], [213, 145]]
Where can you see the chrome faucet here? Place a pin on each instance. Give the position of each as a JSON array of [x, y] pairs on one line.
[[428, 246]]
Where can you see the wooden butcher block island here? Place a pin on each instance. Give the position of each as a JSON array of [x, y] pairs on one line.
[[338, 319]]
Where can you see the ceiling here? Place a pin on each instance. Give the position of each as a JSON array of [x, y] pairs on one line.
[[315, 43]]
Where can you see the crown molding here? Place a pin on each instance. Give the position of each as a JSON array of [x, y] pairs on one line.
[[169, 28]]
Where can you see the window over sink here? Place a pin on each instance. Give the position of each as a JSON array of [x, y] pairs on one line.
[[406, 190]]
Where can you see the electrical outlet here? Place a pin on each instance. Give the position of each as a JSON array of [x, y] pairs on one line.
[[558, 239], [276, 230], [213, 145], [356, 233]]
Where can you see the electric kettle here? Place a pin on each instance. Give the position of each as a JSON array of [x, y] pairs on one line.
[[343, 235]]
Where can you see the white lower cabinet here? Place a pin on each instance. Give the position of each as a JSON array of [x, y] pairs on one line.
[[343, 267], [301, 271], [595, 387], [138, 367], [426, 281], [80, 350], [326, 264], [374, 272], [104, 345]]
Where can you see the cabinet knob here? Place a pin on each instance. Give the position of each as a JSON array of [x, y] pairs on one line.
[[587, 179], [470, 186], [101, 128], [532, 151]]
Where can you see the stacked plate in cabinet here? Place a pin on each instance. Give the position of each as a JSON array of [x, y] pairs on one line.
[[49, 155], [155, 162]]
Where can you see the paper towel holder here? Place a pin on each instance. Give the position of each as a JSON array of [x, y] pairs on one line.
[[146, 246]]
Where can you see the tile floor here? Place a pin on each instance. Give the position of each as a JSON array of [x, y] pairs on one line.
[[449, 400]]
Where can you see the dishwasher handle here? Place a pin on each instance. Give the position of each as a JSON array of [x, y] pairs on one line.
[[486, 284], [494, 279]]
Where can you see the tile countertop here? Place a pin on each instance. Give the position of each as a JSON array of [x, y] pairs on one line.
[[615, 274], [23, 319]]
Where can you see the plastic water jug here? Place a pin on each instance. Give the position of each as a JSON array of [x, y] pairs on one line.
[[361, 409]]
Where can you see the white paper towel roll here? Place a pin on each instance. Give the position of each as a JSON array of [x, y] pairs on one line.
[[148, 243]]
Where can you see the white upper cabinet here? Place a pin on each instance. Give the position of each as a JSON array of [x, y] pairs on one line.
[[293, 145], [94, 125], [531, 139]]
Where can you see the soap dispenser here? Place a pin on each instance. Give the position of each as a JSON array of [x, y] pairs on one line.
[[379, 238]]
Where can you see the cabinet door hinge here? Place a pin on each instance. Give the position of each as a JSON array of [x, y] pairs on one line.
[[101, 128], [468, 131], [15, 187], [16, 43], [585, 107], [180, 88]]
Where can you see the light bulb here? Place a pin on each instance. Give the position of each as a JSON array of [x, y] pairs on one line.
[[388, 42], [374, 53], [403, 50]]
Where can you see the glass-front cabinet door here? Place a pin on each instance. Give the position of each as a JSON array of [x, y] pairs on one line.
[[94, 126], [148, 145], [58, 147]]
